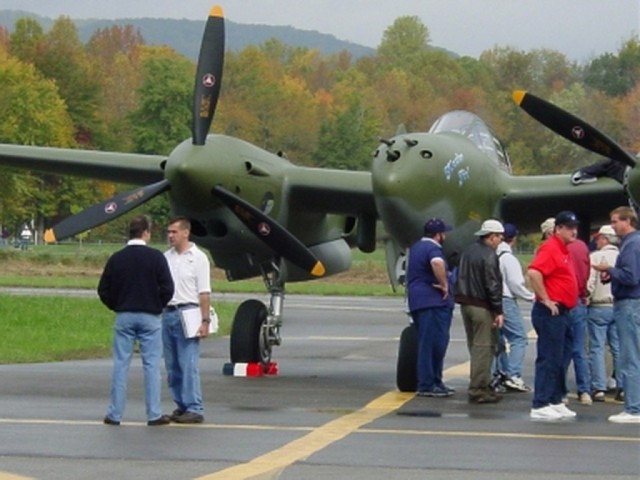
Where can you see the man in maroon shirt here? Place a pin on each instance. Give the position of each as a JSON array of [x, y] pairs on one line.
[[553, 280], [577, 352]]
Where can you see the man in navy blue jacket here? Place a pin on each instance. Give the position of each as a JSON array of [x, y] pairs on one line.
[[625, 287], [137, 285], [431, 307]]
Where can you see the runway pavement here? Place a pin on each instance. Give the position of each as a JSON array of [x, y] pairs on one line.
[[331, 412]]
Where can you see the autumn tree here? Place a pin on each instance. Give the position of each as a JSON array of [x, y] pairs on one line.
[[114, 56], [350, 133], [32, 114]]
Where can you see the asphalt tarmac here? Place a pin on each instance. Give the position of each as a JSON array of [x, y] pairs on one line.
[[332, 411]]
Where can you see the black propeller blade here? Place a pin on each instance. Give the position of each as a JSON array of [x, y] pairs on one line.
[[572, 128], [271, 232], [208, 75], [105, 212]]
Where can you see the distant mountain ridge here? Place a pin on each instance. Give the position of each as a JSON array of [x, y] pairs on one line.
[[185, 35]]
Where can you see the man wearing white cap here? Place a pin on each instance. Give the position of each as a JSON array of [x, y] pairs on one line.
[[601, 325], [479, 292]]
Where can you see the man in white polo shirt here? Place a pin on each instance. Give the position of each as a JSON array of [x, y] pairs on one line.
[[191, 274]]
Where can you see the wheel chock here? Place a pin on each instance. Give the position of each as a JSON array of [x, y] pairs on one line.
[[249, 369]]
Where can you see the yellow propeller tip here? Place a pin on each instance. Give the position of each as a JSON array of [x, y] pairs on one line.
[[518, 96], [318, 270], [49, 236], [216, 11]]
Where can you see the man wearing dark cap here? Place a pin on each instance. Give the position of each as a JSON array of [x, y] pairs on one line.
[[553, 279], [431, 307]]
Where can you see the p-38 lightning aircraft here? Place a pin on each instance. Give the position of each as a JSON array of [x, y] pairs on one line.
[[260, 215]]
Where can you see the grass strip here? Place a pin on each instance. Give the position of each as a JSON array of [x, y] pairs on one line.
[[48, 329]]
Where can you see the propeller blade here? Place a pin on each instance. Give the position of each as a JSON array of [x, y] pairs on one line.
[[105, 211], [208, 75], [271, 232], [572, 128]]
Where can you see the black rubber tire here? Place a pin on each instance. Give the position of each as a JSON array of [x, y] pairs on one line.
[[406, 371], [245, 345]]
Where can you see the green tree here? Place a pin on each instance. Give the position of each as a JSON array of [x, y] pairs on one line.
[[615, 75], [163, 117], [349, 134], [404, 40]]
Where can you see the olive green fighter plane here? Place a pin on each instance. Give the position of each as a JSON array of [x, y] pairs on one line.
[[258, 214]]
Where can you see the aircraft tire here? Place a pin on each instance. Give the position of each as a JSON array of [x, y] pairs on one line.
[[245, 340], [406, 372]]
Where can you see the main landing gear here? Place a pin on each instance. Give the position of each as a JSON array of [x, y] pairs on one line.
[[256, 328], [406, 369]]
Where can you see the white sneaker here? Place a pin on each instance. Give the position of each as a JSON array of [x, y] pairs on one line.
[[625, 417], [562, 409], [545, 413], [516, 384], [585, 398]]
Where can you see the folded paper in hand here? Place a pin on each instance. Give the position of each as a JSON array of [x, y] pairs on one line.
[[192, 319]]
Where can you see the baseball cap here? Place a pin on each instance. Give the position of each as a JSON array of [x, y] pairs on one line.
[[567, 218], [510, 231], [489, 226], [606, 230], [548, 225], [435, 225]]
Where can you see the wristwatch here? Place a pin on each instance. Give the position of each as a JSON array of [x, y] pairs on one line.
[[206, 320]]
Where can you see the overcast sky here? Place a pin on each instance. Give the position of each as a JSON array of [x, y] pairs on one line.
[[580, 29]]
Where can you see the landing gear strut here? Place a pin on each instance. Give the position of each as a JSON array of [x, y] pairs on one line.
[[256, 328]]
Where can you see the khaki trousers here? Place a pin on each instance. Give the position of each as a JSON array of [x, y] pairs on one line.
[[482, 341]]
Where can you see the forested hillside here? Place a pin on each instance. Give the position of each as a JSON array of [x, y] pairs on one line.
[[184, 35], [118, 91]]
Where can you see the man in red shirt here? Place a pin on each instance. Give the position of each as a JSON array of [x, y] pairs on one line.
[[553, 279]]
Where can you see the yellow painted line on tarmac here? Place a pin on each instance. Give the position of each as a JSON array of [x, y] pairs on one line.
[[11, 476], [277, 460]]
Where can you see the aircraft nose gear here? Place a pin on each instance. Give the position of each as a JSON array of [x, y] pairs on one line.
[[256, 328]]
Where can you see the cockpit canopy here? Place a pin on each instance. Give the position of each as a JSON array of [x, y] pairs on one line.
[[474, 128]]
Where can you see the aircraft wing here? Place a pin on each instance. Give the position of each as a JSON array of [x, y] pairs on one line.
[[129, 168], [332, 191], [528, 200]]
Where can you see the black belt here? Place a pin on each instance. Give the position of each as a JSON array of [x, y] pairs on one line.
[[180, 306]]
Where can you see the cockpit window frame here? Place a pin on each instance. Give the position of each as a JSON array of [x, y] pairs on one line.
[[477, 131]]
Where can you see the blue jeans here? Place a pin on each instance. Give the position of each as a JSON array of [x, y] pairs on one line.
[[602, 330], [627, 316], [129, 327], [512, 331], [554, 337], [181, 357], [433, 326], [578, 350]]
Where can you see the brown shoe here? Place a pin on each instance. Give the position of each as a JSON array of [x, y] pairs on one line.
[[161, 420], [486, 397]]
